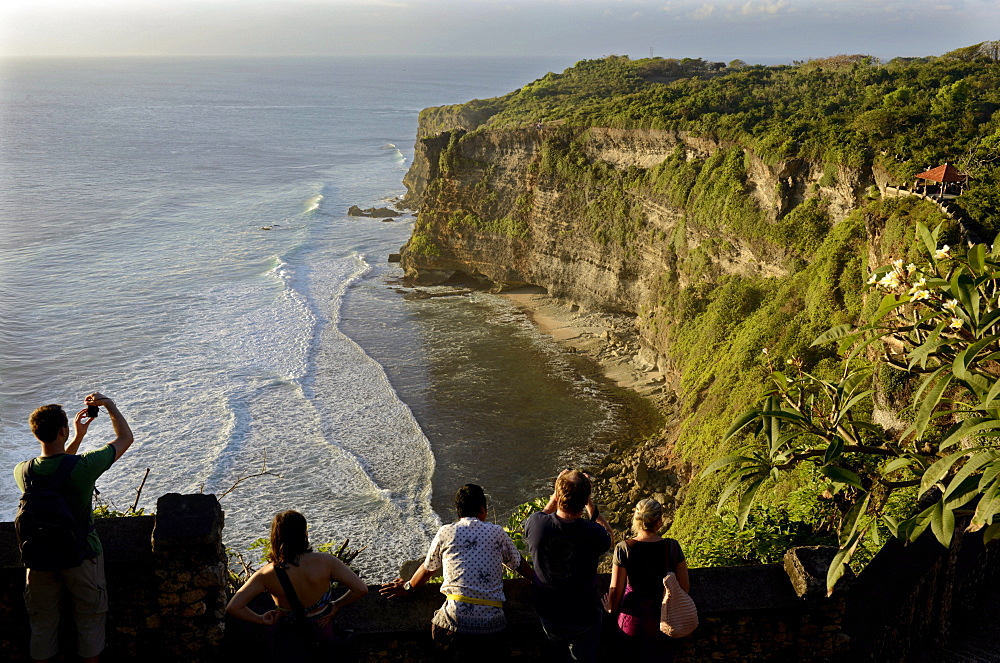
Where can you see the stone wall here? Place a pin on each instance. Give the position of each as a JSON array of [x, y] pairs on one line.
[[166, 584], [909, 599], [746, 614]]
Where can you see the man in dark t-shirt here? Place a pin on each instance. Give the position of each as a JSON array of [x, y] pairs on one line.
[[85, 583], [565, 550]]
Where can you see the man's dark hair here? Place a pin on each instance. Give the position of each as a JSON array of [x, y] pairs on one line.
[[469, 499], [47, 421], [573, 491]]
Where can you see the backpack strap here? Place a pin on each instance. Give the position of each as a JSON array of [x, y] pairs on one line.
[[293, 598], [56, 480]]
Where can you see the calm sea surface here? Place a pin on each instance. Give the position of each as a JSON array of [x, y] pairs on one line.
[[134, 261]]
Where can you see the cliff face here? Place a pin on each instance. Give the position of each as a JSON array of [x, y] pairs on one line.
[[494, 207]]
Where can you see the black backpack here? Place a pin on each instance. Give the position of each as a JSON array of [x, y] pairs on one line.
[[49, 536]]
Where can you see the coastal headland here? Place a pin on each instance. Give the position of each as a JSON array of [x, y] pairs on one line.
[[691, 226]]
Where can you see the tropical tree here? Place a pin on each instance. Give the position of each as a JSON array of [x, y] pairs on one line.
[[938, 323]]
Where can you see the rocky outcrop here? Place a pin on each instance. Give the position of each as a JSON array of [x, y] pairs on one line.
[[372, 212], [494, 209]]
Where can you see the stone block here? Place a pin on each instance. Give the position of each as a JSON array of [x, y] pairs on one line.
[[186, 519], [807, 566], [192, 595]]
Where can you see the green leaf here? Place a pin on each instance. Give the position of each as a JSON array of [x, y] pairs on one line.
[[966, 357], [723, 462], [746, 500], [741, 423], [992, 533], [977, 257], [971, 466], [727, 493], [991, 396], [839, 564], [961, 491], [969, 427], [929, 402], [849, 525], [833, 450], [834, 333], [943, 523], [857, 348], [888, 304], [940, 468], [929, 242], [989, 320], [897, 464], [854, 401], [920, 523], [783, 414], [842, 475], [892, 524], [990, 475], [922, 352]]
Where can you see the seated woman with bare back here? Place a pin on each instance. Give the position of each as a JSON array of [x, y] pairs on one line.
[[300, 582]]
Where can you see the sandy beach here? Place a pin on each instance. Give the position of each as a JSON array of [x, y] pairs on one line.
[[610, 340]]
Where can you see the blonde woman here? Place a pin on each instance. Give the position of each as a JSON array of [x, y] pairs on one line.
[[637, 584]]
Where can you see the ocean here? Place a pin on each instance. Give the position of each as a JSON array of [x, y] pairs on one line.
[[173, 233]]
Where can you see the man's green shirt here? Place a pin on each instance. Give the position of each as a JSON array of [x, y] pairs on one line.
[[81, 484]]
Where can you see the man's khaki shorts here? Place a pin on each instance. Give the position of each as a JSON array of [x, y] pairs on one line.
[[88, 591]]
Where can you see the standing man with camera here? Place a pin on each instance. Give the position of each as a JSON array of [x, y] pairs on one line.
[[55, 526], [565, 549]]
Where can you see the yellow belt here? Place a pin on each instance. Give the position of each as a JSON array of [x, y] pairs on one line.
[[466, 599]]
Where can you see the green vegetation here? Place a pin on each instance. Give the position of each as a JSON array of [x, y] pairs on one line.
[[938, 325], [842, 117], [904, 116], [422, 245]]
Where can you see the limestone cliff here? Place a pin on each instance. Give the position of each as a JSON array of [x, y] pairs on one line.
[[489, 211]]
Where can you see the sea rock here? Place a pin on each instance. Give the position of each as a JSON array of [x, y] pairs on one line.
[[372, 212], [394, 257]]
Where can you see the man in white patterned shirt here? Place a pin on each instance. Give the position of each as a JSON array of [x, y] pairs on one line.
[[471, 554]]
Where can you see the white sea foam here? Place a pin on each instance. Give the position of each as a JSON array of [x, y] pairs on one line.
[[313, 203]]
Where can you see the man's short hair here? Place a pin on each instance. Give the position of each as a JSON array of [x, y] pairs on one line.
[[469, 499], [47, 421], [573, 491]]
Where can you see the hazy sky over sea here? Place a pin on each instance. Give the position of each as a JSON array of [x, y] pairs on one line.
[[755, 30]]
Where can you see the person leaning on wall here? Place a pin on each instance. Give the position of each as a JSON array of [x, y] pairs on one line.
[[637, 585], [565, 549], [471, 553], [300, 582]]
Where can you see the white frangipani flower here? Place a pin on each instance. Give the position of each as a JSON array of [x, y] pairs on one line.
[[956, 323], [951, 304], [890, 280], [942, 253], [920, 294]]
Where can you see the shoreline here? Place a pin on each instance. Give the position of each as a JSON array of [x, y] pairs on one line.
[[641, 463]]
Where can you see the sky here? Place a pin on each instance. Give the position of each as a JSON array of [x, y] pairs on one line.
[[758, 31]]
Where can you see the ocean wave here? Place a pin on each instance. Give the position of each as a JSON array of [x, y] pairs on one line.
[[313, 203]]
